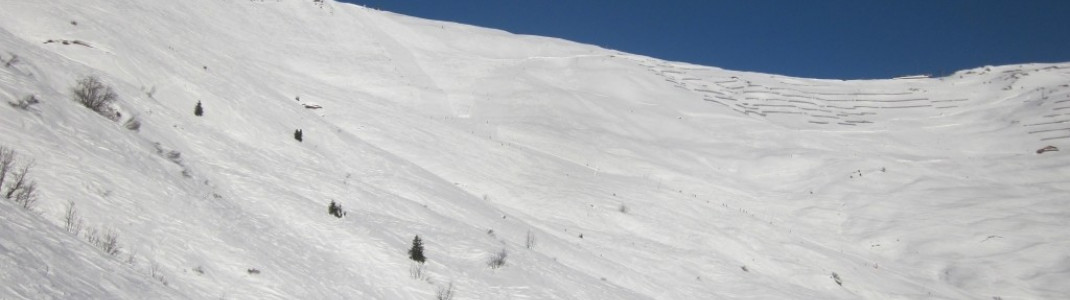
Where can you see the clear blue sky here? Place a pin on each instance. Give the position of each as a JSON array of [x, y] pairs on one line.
[[844, 39]]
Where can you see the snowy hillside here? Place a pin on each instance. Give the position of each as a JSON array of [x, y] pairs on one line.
[[598, 174]]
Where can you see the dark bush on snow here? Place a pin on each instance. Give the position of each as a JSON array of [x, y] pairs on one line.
[[498, 259], [93, 94], [25, 103], [416, 253], [335, 209], [15, 184]]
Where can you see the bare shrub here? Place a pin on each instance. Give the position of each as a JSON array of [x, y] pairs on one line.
[[71, 220], [18, 181], [25, 103], [157, 273], [175, 157], [92, 235], [133, 124], [498, 259], [21, 189], [172, 155], [131, 258], [445, 293], [27, 196], [108, 241], [7, 164], [529, 240], [80, 43], [836, 278], [416, 270], [150, 91], [11, 61], [96, 96]]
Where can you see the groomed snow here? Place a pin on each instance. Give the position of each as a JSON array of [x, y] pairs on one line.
[[638, 178]]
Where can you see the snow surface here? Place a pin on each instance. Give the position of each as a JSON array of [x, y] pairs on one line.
[[639, 178]]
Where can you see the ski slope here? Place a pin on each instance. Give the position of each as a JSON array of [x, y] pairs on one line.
[[638, 178]]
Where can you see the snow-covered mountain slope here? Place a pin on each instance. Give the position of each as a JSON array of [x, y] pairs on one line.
[[636, 178]]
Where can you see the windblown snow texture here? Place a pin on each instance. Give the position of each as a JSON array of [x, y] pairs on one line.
[[636, 178]]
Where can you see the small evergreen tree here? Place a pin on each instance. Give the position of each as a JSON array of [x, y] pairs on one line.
[[298, 135], [198, 111], [417, 251], [335, 209]]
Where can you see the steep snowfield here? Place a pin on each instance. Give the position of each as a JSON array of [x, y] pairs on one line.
[[638, 178]]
